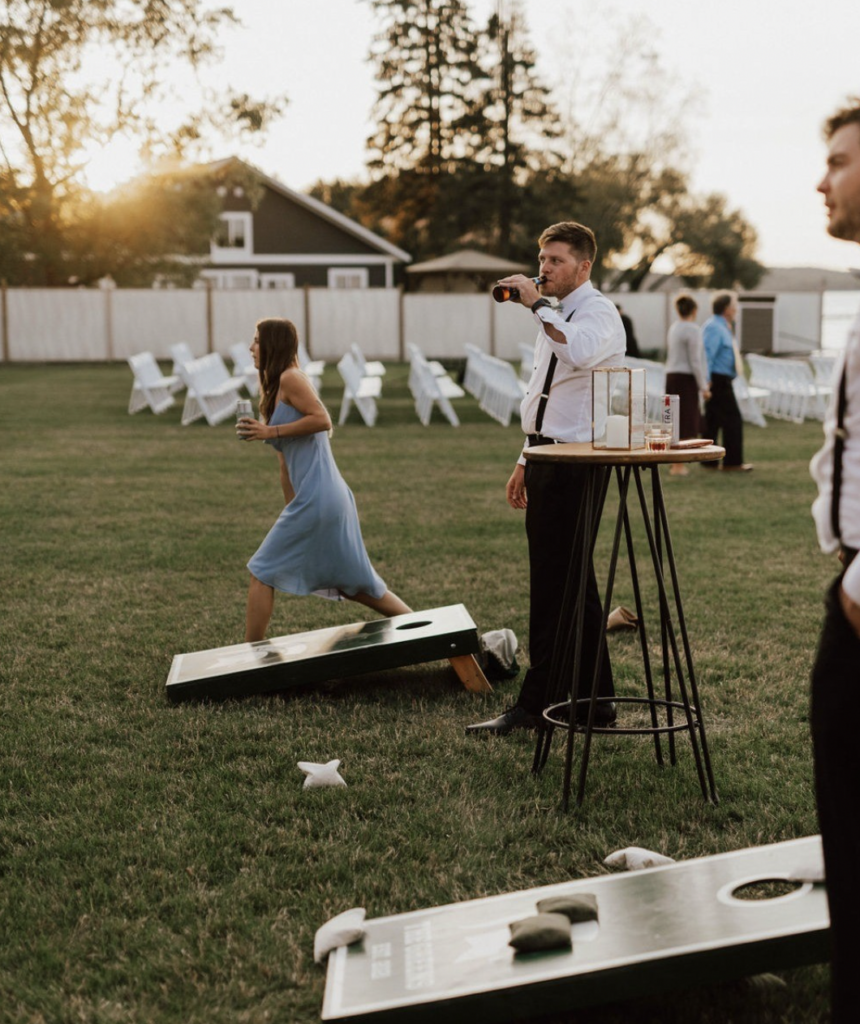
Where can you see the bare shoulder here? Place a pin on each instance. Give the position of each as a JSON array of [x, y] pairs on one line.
[[296, 390], [293, 382]]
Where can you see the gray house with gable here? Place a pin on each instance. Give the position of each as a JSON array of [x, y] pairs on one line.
[[290, 240]]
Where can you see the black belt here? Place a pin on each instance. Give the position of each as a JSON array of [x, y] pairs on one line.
[[848, 555], [536, 440]]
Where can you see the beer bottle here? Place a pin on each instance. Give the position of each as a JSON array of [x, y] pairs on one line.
[[504, 292]]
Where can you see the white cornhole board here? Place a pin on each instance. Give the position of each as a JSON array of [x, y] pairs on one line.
[[658, 929]]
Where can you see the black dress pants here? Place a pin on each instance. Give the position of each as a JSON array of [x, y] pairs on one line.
[[836, 753], [723, 415], [554, 494]]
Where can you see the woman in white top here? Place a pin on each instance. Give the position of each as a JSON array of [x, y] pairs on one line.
[[686, 370]]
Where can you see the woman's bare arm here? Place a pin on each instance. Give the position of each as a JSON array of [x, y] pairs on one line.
[[296, 390]]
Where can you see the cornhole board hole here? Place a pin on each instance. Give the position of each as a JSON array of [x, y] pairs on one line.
[[677, 926], [306, 658]]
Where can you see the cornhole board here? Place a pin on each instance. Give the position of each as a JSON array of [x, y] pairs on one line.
[[658, 929], [306, 658]]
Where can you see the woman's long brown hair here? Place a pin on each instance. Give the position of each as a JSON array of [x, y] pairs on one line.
[[279, 346]]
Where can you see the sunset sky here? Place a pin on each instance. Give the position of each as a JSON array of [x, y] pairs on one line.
[[767, 73]]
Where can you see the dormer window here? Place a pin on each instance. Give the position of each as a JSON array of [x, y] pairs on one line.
[[234, 235]]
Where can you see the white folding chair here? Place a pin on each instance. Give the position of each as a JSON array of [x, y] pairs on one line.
[[414, 351], [747, 402], [180, 353], [243, 366], [429, 390], [150, 386], [312, 368], [367, 368], [358, 390], [473, 379], [655, 384], [824, 367], [824, 371], [212, 392], [810, 397], [764, 384], [503, 391]]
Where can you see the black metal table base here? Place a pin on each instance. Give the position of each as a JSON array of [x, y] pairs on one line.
[[566, 703]]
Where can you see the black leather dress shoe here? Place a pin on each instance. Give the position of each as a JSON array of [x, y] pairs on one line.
[[511, 718], [605, 714]]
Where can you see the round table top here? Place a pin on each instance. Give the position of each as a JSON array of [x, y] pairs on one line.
[[582, 452]]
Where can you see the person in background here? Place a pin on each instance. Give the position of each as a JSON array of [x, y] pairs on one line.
[[582, 332], [686, 371], [836, 672], [632, 345], [722, 415], [315, 545]]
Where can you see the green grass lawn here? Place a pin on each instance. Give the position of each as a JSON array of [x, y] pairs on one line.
[[163, 863]]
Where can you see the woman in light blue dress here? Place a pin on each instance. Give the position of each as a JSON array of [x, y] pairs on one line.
[[315, 546]]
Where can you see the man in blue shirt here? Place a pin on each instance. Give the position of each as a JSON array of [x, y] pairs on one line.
[[721, 409]]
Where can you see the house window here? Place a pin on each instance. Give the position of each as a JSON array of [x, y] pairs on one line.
[[277, 281], [348, 277], [235, 233]]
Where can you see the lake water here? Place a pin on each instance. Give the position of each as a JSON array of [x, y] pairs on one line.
[[838, 312]]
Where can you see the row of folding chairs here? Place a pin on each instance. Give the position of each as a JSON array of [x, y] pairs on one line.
[[211, 391], [790, 389], [495, 384]]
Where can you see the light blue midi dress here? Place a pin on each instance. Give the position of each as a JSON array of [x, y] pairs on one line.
[[315, 546]]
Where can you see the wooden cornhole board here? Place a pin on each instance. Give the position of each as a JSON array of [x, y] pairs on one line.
[[305, 658], [658, 929]]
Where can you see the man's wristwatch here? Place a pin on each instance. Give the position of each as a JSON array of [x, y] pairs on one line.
[[539, 304]]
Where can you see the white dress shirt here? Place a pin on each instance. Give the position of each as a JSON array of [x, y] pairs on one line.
[[822, 467], [594, 337]]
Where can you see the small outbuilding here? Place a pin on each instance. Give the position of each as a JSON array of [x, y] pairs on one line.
[[465, 272]]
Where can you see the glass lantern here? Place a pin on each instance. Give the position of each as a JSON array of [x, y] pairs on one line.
[[618, 408]]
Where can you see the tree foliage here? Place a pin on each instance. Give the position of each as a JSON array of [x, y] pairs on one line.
[[461, 119], [425, 63], [472, 150], [52, 108]]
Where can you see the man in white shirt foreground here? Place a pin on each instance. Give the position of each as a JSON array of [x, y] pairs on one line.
[[582, 332], [836, 673]]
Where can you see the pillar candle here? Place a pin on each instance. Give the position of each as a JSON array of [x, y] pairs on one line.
[[616, 432]]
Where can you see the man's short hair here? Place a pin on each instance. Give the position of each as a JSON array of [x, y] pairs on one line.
[[686, 304], [721, 302], [579, 239], [847, 115]]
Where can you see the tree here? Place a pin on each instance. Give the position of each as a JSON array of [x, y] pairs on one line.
[[627, 139], [716, 246], [50, 109], [157, 227], [462, 125], [514, 124], [425, 61]]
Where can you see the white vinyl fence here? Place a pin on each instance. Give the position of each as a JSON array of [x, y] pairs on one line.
[[65, 325]]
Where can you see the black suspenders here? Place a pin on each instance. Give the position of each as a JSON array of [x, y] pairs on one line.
[[547, 384], [839, 436]]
